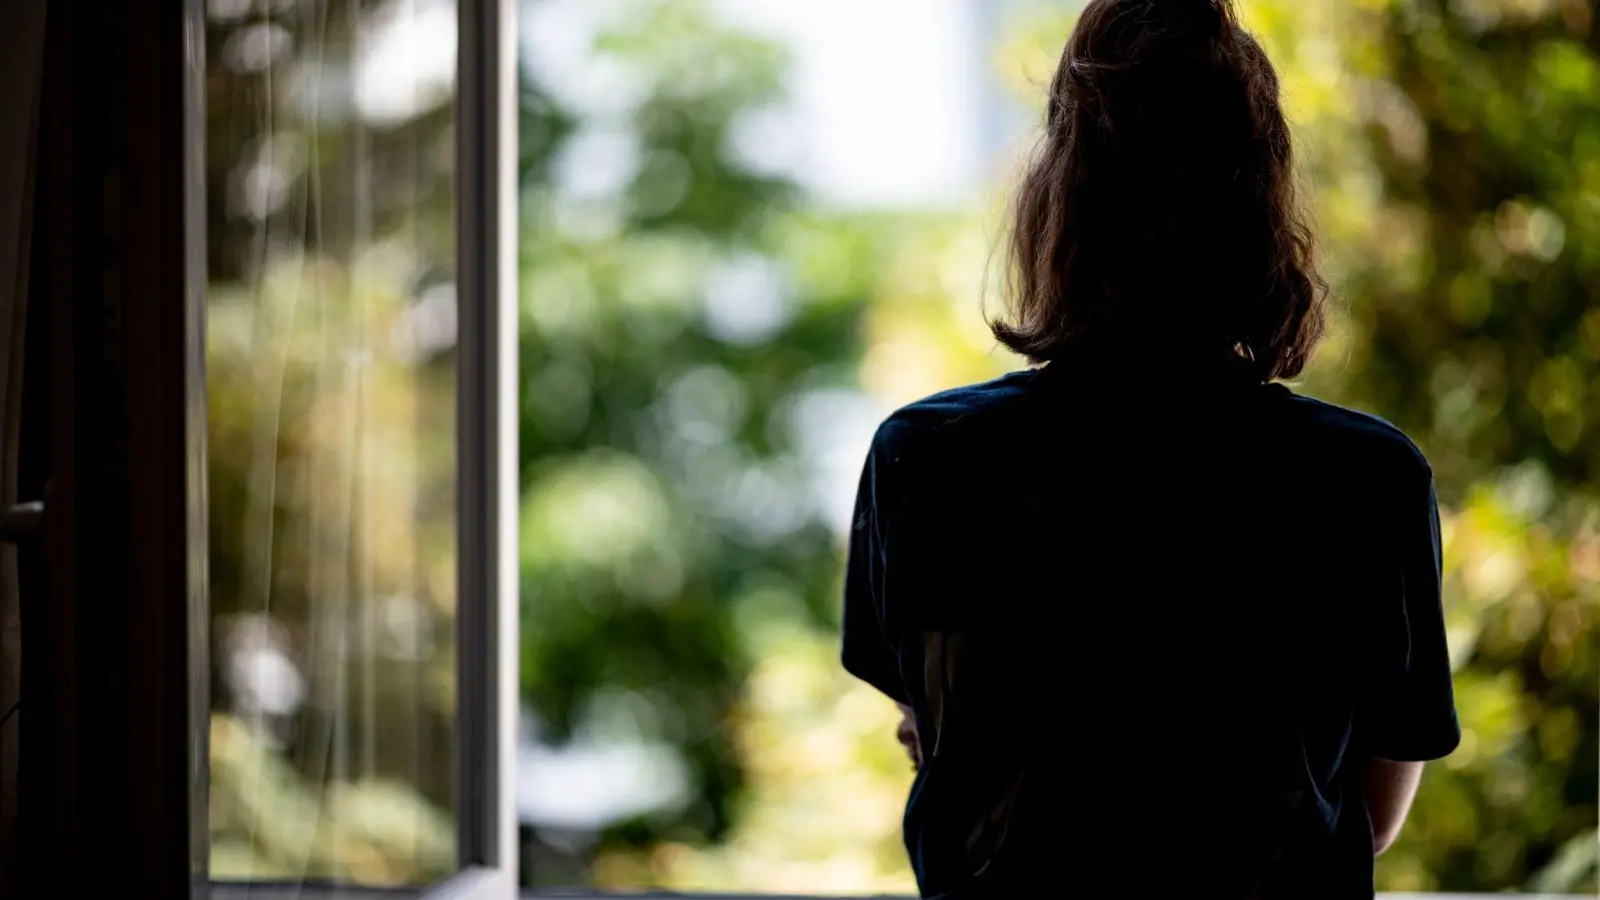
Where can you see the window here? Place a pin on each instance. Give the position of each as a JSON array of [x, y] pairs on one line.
[[353, 380]]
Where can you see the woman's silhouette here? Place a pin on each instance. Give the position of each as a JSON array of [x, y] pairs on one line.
[[1159, 625]]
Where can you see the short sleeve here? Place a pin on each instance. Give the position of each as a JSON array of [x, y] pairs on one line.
[[867, 651], [1411, 714]]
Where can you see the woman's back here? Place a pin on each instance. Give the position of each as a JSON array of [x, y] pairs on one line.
[[1158, 631], [1150, 632]]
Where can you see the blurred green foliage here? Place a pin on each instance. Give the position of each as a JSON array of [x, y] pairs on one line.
[[330, 428], [1466, 216], [663, 486], [688, 318]]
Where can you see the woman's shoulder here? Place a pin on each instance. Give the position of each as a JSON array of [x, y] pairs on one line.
[[946, 416], [1348, 433]]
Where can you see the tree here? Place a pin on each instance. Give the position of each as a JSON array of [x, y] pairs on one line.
[[1454, 148], [684, 320]]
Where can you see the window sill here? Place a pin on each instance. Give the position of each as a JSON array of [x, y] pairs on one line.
[[283, 891], [671, 895]]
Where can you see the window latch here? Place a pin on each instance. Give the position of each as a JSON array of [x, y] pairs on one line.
[[21, 522]]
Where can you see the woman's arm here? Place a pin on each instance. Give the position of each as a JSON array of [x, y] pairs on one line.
[[906, 733], [1389, 789], [1410, 715]]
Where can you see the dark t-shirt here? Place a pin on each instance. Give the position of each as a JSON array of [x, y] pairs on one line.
[[1150, 633]]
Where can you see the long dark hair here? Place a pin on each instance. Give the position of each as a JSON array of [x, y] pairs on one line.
[[1159, 217]]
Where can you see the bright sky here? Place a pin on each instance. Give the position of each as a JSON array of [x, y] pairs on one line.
[[886, 93]]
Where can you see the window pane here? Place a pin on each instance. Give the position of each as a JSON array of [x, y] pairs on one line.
[[331, 341]]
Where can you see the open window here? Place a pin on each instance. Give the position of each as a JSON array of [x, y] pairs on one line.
[[264, 475], [360, 403], [270, 633]]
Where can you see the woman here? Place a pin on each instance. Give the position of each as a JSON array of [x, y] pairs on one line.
[[1157, 622]]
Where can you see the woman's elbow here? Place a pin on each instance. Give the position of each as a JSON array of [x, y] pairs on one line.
[[1384, 838], [1389, 789]]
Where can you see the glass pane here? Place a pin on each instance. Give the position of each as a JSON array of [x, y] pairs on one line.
[[331, 341]]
